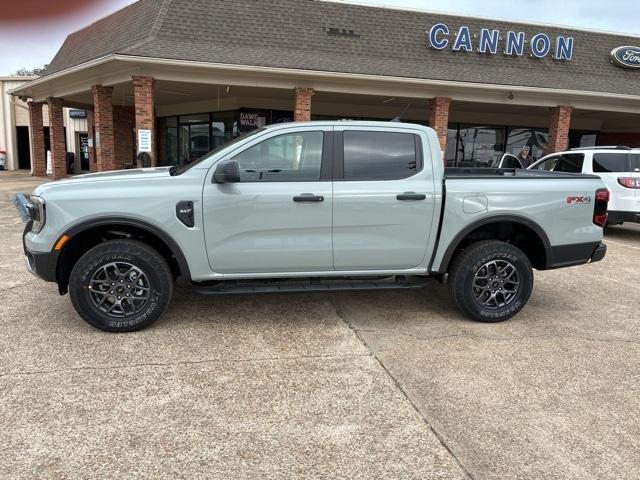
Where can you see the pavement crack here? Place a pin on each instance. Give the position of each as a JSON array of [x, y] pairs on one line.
[[174, 364], [501, 339], [397, 384]]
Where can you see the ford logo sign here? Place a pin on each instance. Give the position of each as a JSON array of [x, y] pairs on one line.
[[628, 57]]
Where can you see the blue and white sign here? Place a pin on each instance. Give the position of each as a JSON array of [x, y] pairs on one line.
[[628, 57], [489, 41]]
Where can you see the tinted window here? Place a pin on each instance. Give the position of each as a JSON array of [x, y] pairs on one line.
[[610, 162], [570, 163], [635, 162], [293, 157], [379, 155]]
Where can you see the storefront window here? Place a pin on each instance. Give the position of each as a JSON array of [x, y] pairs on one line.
[[528, 144], [480, 146], [452, 146], [582, 138], [168, 141]]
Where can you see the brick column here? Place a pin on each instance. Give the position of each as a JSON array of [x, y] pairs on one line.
[[90, 136], [144, 91], [103, 122], [302, 112], [36, 128], [559, 129], [439, 118], [56, 138]]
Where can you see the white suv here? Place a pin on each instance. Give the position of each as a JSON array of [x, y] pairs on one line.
[[619, 167]]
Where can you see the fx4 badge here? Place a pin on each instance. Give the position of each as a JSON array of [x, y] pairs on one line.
[[575, 200]]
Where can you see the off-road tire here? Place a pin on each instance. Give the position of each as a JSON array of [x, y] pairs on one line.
[[463, 287], [153, 269]]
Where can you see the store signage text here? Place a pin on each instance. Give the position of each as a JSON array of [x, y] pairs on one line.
[[489, 41], [77, 113], [628, 57]]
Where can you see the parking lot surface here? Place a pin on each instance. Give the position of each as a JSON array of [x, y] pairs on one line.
[[354, 385]]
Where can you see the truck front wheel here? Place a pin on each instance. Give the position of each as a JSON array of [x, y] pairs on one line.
[[121, 286], [490, 281]]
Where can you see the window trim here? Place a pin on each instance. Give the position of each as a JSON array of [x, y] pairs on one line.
[[338, 155], [325, 158]]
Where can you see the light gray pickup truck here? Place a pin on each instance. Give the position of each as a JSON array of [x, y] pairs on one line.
[[310, 207]]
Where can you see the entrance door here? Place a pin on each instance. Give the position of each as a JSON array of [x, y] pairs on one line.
[[278, 217], [194, 142], [82, 160], [24, 152], [383, 204]]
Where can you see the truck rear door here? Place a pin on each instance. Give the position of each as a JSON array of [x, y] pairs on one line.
[[383, 205]]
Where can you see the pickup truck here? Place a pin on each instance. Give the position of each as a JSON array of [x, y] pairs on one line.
[[310, 207]]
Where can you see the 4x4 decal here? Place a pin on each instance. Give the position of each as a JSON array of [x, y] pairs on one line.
[[575, 200]]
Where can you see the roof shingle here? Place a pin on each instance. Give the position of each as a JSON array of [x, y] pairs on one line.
[[296, 34]]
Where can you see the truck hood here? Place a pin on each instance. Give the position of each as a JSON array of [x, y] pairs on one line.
[[138, 174]]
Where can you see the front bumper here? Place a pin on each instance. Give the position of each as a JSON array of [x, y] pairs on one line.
[[42, 265]]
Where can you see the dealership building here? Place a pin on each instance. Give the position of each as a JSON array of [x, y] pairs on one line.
[[173, 79]]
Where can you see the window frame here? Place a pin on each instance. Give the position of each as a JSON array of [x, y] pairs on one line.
[[338, 154], [325, 158]]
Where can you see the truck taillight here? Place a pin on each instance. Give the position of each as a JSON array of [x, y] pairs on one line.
[[600, 214], [629, 182]]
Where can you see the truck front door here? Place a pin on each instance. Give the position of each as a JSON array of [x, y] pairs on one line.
[[383, 199], [278, 217]]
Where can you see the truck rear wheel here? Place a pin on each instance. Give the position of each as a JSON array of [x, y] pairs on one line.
[[490, 281], [121, 286]]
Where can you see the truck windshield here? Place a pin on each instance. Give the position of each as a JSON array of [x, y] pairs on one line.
[[178, 170]]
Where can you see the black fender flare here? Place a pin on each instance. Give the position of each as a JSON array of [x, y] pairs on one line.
[[512, 218], [142, 225]]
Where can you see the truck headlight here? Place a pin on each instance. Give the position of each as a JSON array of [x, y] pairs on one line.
[[37, 213]]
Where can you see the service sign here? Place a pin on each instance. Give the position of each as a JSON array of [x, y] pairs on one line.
[[80, 114], [627, 57], [491, 42]]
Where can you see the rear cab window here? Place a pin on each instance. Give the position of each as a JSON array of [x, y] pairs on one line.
[[377, 155]]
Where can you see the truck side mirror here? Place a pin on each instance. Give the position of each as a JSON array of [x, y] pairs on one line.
[[227, 172]]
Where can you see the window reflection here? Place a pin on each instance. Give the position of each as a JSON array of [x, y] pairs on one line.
[[480, 146]]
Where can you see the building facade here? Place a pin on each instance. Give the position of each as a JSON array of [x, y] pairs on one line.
[[15, 136], [165, 81]]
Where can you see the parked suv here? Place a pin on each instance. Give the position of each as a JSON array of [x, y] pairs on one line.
[[310, 207], [619, 167]]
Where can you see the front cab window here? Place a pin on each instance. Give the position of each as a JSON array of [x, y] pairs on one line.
[[291, 157]]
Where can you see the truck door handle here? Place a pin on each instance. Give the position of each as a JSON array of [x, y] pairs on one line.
[[411, 196], [308, 197]]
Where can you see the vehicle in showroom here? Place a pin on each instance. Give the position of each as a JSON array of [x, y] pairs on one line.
[[618, 166], [310, 207]]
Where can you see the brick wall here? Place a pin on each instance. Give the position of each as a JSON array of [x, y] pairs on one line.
[[36, 128], [124, 118], [103, 119], [145, 115], [56, 138], [302, 111], [439, 118], [559, 129]]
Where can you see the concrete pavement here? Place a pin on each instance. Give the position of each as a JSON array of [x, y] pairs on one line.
[[357, 385]]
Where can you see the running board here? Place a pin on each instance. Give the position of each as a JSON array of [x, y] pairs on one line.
[[307, 286]]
